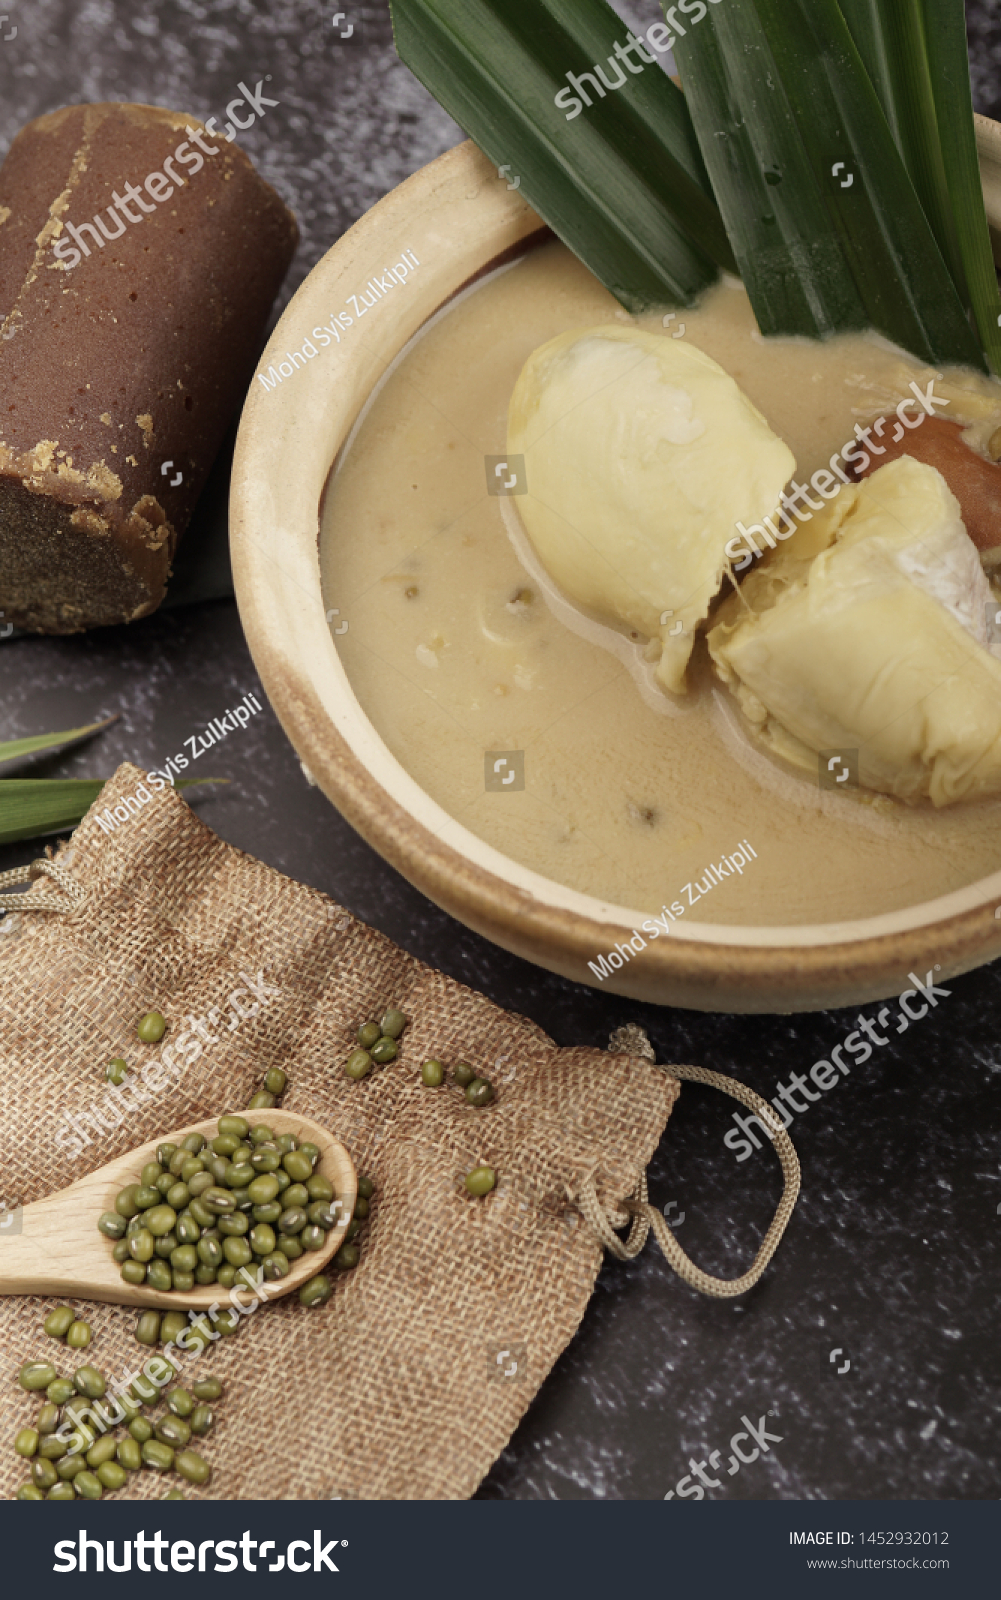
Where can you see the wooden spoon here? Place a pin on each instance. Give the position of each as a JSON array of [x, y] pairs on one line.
[[60, 1251]]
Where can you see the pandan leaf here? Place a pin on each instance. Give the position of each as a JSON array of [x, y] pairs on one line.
[[14, 749], [622, 182], [916, 55], [30, 808], [825, 222]]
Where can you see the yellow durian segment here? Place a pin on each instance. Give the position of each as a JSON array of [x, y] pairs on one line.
[[641, 456], [880, 642]]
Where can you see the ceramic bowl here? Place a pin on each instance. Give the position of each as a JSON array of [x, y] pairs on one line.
[[458, 219]]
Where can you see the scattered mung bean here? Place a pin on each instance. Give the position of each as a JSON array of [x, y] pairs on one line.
[[152, 1027], [58, 1322]]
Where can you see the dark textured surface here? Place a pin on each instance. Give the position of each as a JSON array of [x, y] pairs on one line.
[[893, 1252]]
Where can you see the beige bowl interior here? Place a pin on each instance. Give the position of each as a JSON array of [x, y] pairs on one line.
[[457, 218]]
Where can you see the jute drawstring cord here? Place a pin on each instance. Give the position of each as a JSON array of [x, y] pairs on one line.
[[40, 869], [632, 1040]]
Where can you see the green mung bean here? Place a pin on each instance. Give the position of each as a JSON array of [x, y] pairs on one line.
[[129, 1454], [237, 1252], [393, 1023], [201, 1419], [237, 1125], [111, 1474], [166, 1245], [61, 1491], [384, 1051], [173, 1431], [158, 1455], [286, 1142], [233, 1227], [358, 1065], [125, 1201], [298, 1166], [59, 1391], [226, 1275], [367, 1034], [51, 1448], [479, 1092], [260, 1133], [121, 1251], [88, 1486], [262, 1239], [89, 1382], [480, 1181], [69, 1466], [263, 1189], [463, 1074], [172, 1324], [29, 1491], [318, 1187], [164, 1152], [36, 1375], [47, 1420], [433, 1074], [361, 1208], [193, 1467], [158, 1275], [149, 1174], [366, 1188], [207, 1388], [43, 1473], [102, 1450], [275, 1080], [59, 1322], [147, 1199], [152, 1027], [26, 1442], [142, 1246], [267, 1213], [116, 1071], [140, 1429], [347, 1257], [316, 1292], [148, 1327], [262, 1100], [275, 1266], [111, 1224]]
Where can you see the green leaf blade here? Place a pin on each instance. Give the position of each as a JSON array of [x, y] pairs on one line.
[[16, 749], [32, 808], [785, 82], [621, 182]]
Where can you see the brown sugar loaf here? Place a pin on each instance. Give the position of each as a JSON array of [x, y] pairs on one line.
[[135, 285]]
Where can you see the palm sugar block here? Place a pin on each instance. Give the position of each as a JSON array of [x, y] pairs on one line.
[[140, 255]]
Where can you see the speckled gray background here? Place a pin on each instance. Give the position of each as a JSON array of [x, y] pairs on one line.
[[893, 1252]]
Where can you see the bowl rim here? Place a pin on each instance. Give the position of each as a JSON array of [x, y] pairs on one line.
[[457, 201]]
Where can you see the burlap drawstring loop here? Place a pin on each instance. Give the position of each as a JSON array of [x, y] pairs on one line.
[[632, 1040], [40, 869]]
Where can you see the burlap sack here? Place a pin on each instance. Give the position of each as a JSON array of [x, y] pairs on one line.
[[393, 1389]]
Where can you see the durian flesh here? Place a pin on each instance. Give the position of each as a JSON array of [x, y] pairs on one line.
[[879, 642], [641, 455]]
